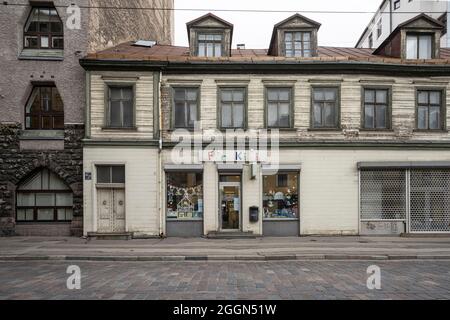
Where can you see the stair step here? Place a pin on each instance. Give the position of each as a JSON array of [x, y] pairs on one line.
[[231, 235], [110, 236]]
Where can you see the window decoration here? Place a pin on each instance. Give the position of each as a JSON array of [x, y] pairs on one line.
[[184, 196], [281, 196]]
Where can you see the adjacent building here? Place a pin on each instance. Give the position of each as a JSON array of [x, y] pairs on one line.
[[392, 13], [363, 135], [42, 101]]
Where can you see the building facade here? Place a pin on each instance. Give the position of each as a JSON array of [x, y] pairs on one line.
[[392, 13], [42, 99], [361, 143]]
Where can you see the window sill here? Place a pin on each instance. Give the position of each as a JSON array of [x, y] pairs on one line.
[[280, 219], [41, 54], [43, 222], [42, 135], [430, 131], [283, 129], [325, 129], [376, 130], [119, 129], [184, 220]]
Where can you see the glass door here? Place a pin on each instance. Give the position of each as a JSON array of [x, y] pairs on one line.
[[230, 204]]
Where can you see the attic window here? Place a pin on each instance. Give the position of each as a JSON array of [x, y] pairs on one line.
[[419, 46], [209, 45], [297, 44]]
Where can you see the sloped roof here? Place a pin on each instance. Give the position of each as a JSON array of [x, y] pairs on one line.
[[166, 53]]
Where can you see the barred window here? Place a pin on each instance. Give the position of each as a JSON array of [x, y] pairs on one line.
[[383, 194]]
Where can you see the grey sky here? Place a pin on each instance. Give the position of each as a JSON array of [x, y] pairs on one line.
[[255, 29]]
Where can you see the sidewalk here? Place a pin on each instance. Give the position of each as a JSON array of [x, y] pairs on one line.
[[199, 249]]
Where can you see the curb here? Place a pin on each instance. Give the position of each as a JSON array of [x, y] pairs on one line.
[[242, 258]]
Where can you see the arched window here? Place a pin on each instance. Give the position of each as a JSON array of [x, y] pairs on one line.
[[44, 29], [44, 197], [45, 109]]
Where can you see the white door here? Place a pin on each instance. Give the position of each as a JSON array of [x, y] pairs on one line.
[[111, 210]]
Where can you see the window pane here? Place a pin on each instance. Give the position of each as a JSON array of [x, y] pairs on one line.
[[330, 94], [284, 94], [381, 117], [103, 174], [319, 95], [116, 93], [31, 42], [25, 199], [61, 213], [209, 49], [435, 118], [272, 94], [272, 115], [218, 50], [423, 97], [411, 47], [115, 114], [201, 49], [47, 122], [288, 36], [180, 115], [57, 104], [127, 93], [179, 94], [118, 174], [192, 114], [64, 199], [283, 113], [238, 116], [381, 96], [329, 114], [317, 115], [238, 95], [44, 42], [226, 115], [369, 96], [45, 199], [58, 122], [227, 95], [45, 214], [21, 215], [435, 97], [425, 47], [192, 94], [128, 113], [422, 116], [369, 117], [56, 27]]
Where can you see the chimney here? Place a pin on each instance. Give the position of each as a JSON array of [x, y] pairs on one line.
[[241, 46]]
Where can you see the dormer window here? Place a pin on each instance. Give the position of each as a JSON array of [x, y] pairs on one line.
[[43, 29], [297, 44], [210, 36], [209, 45], [294, 37], [419, 46]]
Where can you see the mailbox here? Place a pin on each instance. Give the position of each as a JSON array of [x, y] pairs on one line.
[[254, 214]]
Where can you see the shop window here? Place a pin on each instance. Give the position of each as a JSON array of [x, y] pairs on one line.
[[232, 107], [184, 196], [279, 107], [120, 107], [111, 174], [44, 197], [45, 109], [43, 29], [325, 108], [185, 107], [281, 196]]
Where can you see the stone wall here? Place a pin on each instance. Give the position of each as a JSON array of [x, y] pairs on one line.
[[16, 164]]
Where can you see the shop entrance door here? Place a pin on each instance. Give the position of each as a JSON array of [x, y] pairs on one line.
[[111, 210], [230, 203]]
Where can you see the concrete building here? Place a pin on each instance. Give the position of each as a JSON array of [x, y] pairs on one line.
[[392, 13], [363, 141], [42, 101]]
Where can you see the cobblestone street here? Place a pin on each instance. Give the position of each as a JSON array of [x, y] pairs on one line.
[[230, 280]]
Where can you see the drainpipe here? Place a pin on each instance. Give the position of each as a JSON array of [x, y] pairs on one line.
[[160, 173]]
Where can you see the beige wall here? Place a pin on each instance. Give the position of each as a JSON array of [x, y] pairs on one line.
[[141, 187], [144, 104], [403, 104]]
